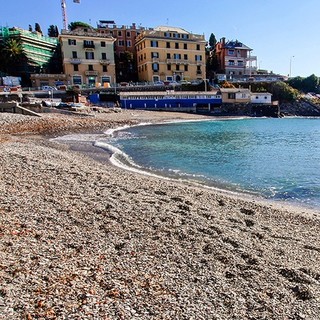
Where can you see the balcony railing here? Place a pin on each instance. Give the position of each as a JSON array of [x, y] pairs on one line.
[[75, 61], [89, 45], [178, 61], [91, 73], [105, 62]]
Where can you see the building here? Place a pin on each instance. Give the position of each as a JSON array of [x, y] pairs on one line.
[[261, 98], [170, 54], [235, 59], [124, 47], [38, 50], [235, 95], [88, 57]]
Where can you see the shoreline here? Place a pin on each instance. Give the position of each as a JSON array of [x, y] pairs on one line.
[[111, 151], [84, 239]]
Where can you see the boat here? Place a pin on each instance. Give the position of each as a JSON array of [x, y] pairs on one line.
[[189, 101]]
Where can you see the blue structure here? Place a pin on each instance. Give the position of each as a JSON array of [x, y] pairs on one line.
[[169, 100]]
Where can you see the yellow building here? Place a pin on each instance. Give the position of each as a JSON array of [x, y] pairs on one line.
[[170, 54], [88, 57]]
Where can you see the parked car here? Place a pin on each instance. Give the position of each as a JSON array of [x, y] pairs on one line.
[[159, 83], [185, 82], [174, 83], [48, 88]]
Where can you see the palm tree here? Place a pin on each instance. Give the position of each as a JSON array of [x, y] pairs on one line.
[[13, 57]]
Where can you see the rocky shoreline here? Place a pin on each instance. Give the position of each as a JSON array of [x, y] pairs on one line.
[[82, 239]]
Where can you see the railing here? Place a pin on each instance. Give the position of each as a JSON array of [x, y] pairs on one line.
[[105, 61], [89, 45], [75, 61], [91, 73]]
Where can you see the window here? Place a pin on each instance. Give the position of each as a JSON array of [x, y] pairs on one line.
[[177, 56], [155, 66], [231, 95], [231, 62], [168, 45], [119, 33], [176, 45], [168, 56], [75, 67], [72, 42], [105, 80], [198, 46], [168, 67], [128, 34], [154, 43], [178, 67], [103, 43], [103, 56], [198, 57], [185, 57], [89, 55], [77, 80], [185, 36], [90, 67], [104, 68], [230, 52], [121, 43], [154, 54], [185, 67], [240, 63], [185, 46], [88, 43], [128, 43], [74, 55]]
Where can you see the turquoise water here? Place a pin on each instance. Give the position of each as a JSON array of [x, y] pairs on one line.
[[276, 158]]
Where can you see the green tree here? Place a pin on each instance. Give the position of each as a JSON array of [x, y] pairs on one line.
[[212, 41], [38, 28], [310, 84], [73, 25], [13, 58], [53, 31], [283, 92]]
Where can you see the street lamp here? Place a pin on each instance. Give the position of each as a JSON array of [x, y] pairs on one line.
[[290, 65]]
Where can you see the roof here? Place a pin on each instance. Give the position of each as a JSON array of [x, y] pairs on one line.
[[171, 29], [234, 90], [236, 45]]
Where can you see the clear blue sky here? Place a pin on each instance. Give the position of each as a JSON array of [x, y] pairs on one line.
[[278, 31]]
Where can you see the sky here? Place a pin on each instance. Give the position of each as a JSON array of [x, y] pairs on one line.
[[284, 34]]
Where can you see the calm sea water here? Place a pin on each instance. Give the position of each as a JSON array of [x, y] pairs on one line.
[[276, 158]]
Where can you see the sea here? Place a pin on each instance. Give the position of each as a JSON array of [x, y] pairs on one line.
[[277, 159]]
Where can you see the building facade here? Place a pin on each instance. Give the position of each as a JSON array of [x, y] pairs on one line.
[[39, 51], [88, 57], [235, 59], [170, 54], [124, 48]]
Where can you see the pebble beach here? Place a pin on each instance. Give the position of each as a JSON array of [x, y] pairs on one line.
[[83, 239]]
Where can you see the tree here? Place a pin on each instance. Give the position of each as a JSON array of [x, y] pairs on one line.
[[53, 31], [30, 28], [310, 84], [73, 25], [212, 41], [13, 57], [38, 28]]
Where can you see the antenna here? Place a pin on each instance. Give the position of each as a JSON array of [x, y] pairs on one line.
[[64, 15]]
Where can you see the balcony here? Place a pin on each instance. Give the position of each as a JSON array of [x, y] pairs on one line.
[[177, 61], [75, 61], [105, 62], [89, 45], [91, 73]]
